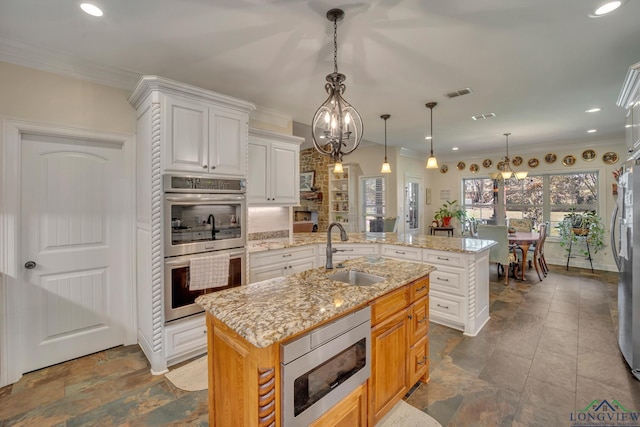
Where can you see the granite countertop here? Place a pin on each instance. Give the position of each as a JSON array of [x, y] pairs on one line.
[[440, 243], [270, 311]]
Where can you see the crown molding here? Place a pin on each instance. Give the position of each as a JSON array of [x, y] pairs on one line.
[[30, 56], [273, 117]]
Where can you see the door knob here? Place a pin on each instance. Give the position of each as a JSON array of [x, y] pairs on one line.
[[30, 265]]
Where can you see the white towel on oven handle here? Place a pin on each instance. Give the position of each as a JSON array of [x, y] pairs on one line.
[[208, 272]]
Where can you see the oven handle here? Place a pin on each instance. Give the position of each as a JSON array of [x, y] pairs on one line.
[[196, 199], [184, 262]]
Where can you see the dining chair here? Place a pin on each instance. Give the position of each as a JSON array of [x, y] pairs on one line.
[[501, 253], [536, 256], [390, 224], [518, 224]]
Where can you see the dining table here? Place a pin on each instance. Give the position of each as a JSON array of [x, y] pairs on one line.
[[523, 239]]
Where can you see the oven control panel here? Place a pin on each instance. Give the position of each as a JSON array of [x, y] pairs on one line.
[[196, 184]]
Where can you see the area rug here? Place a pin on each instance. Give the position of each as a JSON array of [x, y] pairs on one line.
[[405, 415], [190, 377], [193, 377]]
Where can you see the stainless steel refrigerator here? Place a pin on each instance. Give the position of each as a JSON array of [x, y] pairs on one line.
[[626, 251]]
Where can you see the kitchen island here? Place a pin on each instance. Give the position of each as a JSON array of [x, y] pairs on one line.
[[247, 325], [459, 289]]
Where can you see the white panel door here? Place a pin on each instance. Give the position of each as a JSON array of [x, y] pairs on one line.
[[72, 228]]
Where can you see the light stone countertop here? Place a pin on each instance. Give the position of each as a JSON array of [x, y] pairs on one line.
[[270, 311], [439, 243]]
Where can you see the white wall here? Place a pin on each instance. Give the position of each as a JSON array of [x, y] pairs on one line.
[[49, 98]]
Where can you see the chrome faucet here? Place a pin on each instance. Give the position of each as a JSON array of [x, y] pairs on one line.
[[330, 250]]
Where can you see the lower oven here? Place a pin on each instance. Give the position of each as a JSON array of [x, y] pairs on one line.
[[322, 367], [179, 300]]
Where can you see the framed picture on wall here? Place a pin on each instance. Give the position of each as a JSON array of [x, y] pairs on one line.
[[306, 181]]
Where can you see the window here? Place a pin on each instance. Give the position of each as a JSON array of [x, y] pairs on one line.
[[541, 198], [372, 190]]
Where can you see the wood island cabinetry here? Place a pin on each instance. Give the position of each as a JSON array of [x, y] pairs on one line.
[[399, 346], [245, 381]]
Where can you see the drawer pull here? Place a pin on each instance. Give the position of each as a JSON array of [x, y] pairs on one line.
[[423, 361], [441, 258], [400, 252], [424, 319], [423, 288], [444, 280], [286, 255], [446, 307]]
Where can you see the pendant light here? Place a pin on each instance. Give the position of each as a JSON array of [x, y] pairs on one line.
[[506, 173], [336, 126], [432, 163], [386, 167]]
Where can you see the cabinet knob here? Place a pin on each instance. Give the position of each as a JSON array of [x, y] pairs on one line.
[[205, 167], [213, 167], [424, 319], [410, 316]]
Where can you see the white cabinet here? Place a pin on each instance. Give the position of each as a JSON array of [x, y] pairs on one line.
[[343, 196], [459, 289], [630, 99], [347, 251], [274, 169], [179, 129], [281, 262], [203, 138], [406, 253]]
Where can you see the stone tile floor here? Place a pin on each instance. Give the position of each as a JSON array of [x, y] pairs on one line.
[[549, 348]]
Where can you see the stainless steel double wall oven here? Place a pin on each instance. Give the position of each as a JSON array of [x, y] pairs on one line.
[[202, 216]]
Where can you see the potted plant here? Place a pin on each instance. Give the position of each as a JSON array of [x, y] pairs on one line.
[[448, 210], [587, 225]]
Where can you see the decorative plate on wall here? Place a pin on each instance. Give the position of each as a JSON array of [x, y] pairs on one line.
[[444, 169], [474, 168], [550, 158], [610, 157], [487, 163], [499, 165], [533, 163], [569, 160], [461, 166], [517, 161], [588, 155]]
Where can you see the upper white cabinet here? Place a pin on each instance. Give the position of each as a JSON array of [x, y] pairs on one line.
[[203, 137], [274, 169], [630, 99]]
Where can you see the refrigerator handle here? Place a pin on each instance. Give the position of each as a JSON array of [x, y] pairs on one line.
[[614, 248]]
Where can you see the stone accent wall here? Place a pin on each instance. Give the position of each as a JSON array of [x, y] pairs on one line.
[[311, 160]]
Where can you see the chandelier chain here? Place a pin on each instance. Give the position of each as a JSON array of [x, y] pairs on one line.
[[335, 45]]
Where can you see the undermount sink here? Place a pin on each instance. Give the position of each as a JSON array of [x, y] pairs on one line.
[[356, 278]]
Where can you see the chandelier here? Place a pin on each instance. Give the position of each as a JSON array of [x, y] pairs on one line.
[[506, 173], [432, 163], [336, 126]]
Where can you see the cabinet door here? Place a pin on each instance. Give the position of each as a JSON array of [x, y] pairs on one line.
[[350, 412], [258, 180], [285, 174], [388, 382], [419, 361], [186, 135], [419, 319], [227, 142], [269, 272]]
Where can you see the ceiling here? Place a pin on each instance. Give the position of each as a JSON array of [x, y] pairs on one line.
[[537, 64]]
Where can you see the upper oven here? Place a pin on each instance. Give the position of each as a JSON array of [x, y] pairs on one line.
[[203, 214]]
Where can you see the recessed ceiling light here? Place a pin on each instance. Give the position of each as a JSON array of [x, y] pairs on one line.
[[593, 110], [454, 148], [592, 131], [427, 137], [483, 116], [627, 126], [91, 9], [606, 8]]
